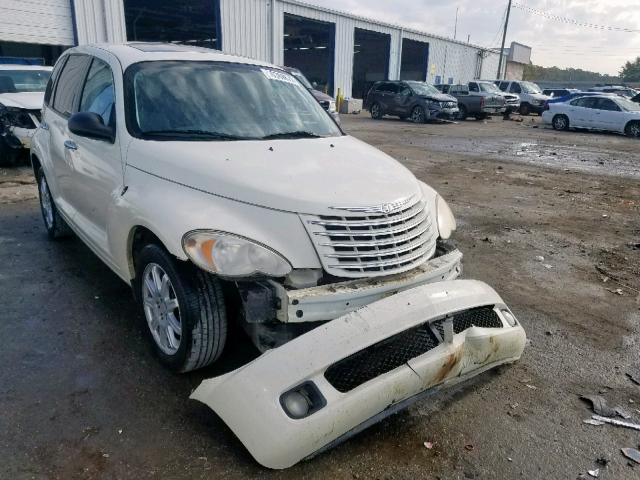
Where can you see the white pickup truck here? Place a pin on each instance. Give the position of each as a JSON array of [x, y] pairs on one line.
[[221, 191]]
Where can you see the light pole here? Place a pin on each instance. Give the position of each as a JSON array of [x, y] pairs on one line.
[[504, 37]]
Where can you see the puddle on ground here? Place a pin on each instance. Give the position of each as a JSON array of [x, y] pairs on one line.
[[562, 157]]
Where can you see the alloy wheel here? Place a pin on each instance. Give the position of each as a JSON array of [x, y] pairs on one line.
[[417, 115], [560, 123], [161, 308]]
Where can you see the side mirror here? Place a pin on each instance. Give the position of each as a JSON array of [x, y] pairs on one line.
[[90, 125], [314, 85]]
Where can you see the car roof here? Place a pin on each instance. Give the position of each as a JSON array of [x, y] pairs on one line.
[[135, 52], [10, 66]]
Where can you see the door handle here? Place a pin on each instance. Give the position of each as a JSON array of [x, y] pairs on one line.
[[44, 126], [70, 145]]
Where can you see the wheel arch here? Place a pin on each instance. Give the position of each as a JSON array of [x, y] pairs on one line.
[[629, 123], [35, 164], [138, 237]]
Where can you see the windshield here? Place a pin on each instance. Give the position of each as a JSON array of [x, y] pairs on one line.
[[301, 78], [628, 104], [530, 87], [488, 87], [422, 88], [15, 81], [191, 100]]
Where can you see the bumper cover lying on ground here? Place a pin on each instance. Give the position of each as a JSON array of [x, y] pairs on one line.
[[364, 366]]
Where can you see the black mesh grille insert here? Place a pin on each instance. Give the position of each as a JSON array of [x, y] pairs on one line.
[[384, 356], [485, 317], [379, 358]]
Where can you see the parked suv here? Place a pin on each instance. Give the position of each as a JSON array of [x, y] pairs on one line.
[[21, 93], [221, 191], [418, 101], [327, 102], [476, 99], [531, 96]]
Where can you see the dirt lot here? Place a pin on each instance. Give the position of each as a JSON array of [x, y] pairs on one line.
[[81, 397]]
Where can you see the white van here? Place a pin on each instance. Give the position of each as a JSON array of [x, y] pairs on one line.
[[532, 99]]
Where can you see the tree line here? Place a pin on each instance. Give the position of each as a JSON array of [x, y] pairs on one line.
[[629, 73]]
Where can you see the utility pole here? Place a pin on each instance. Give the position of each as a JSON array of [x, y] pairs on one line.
[[504, 38], [455, 28]]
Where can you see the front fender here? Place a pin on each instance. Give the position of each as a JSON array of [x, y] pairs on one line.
[[170, 210]]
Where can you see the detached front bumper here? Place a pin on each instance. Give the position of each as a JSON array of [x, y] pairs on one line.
[[364, 366]]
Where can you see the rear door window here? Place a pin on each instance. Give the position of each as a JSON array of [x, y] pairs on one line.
[[67, 92], [584, 102], [606, 104]]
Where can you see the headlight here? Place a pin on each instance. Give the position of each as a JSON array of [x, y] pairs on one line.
[[332, 106], [229, 255], [446, 220], [16, 117]]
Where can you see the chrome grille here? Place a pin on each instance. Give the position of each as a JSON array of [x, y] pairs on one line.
[[449, 104], [373, 244]]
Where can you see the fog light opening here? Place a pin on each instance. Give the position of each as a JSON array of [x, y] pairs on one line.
[[302, 401], [296, 404]]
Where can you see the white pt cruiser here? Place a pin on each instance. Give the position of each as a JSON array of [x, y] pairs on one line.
[[221, 191]]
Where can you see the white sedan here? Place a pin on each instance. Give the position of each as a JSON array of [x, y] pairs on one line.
[[597, 112]]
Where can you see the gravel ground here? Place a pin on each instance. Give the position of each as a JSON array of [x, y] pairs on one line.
[[81, 396]]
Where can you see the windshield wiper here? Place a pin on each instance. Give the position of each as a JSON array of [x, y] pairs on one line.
[[194, 132], [298, 134]]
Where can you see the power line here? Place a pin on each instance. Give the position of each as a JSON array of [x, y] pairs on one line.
[[571, 21]]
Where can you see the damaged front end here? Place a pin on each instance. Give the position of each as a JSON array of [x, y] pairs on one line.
[[17, 126], [332, 382]]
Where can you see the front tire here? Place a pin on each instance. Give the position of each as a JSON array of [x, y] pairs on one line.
[[183, 308], [632, 130], [53, 221], [560, 122], [525, 109], [462, 112], [417, 114], [376, 111]]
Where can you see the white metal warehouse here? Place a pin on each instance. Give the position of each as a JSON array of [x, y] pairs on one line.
[[335, 50]]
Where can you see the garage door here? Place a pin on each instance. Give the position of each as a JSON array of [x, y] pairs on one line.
[[36, 21]]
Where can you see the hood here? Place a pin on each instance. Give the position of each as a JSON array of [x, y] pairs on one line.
[[539, 96], [321, 96], [28, 100], [442, 97], [298, 175]]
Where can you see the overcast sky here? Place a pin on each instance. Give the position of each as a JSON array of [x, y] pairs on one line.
[[554, 43]]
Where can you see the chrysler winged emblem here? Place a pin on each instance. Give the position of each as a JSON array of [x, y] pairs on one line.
[[385, 208]]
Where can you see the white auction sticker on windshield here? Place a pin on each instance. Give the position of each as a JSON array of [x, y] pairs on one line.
[[279, 76]]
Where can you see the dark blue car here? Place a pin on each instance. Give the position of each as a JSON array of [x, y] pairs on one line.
[[572, 95]]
